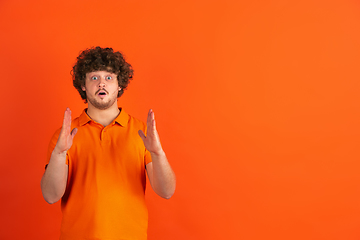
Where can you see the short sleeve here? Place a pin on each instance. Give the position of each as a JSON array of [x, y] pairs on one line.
[[147, 157]]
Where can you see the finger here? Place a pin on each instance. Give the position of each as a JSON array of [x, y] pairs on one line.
[[142, 135], [152, 127], [68, 121], [73, 132], [149, 118], [65, 124], [152, 114], [65, 117], [152, 123]]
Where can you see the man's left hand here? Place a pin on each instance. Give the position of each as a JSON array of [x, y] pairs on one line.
[[151, 139]]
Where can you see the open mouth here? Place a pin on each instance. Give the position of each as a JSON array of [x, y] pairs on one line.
[[102, 92]]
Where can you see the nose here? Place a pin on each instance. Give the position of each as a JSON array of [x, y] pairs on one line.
[[102, 82]]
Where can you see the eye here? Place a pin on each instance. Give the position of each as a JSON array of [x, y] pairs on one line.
[[94, 78], [108, 78]]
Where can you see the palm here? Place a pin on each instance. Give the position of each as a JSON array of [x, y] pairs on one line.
[[151, 139], [66, 135]]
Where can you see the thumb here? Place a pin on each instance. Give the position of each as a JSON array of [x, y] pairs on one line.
[[73, 132], [142, 135]]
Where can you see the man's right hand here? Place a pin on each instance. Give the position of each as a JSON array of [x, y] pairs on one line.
[[53, 182], [66, 136]]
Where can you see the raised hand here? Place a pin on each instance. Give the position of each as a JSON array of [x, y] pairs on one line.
[[66, 136], [151, 139]]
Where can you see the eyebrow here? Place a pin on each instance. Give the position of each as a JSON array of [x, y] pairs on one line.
[[96, 74]]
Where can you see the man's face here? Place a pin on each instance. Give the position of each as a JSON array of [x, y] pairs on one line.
[[101, 89]]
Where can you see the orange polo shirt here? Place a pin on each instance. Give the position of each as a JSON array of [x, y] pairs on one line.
[[105, 192]]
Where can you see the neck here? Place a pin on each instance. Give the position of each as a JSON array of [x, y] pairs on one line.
[[104, 117]]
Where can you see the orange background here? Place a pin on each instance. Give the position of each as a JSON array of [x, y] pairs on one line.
[[257, 106]]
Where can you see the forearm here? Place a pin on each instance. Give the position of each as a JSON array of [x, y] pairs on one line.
[[163, 177], [54, 180]]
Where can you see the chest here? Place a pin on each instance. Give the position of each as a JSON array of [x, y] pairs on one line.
[[108, 150]]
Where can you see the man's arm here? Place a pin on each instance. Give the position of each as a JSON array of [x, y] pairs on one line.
[[161, 176], [54, 180]]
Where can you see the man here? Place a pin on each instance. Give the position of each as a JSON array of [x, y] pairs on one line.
[[97, 162]]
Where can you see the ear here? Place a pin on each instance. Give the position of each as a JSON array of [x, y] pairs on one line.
[[83, 88], [119, 88]]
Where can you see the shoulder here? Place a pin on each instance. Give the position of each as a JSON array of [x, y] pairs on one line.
[[75, 123], [128, 120], [136, 121]]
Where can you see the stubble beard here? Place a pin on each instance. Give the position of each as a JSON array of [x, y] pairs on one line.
[[102, 105]]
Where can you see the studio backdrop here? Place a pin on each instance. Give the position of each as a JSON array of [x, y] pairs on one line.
[[257, 106]]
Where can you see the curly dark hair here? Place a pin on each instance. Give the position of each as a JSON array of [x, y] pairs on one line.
[[101, 59]]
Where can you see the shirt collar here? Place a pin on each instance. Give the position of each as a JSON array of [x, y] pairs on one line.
[[121, 119]]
